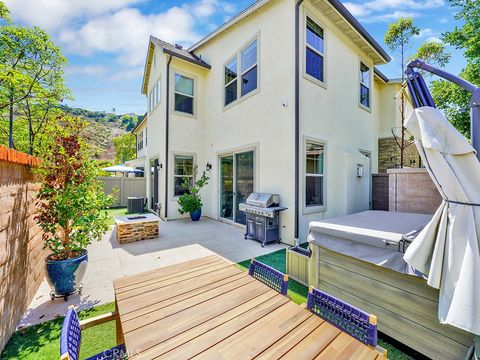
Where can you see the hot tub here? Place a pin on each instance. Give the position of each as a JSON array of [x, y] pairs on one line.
[[359, 258]]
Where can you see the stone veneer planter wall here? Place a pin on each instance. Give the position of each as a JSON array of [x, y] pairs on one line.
[[21, 246]]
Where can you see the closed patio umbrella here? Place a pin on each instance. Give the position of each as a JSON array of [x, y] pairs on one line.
[[447, 250]]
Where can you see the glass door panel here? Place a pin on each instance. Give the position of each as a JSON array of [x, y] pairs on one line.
[[226, 187], [244, 164]]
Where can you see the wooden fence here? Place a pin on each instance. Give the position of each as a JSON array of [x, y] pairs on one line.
[[124, 187]]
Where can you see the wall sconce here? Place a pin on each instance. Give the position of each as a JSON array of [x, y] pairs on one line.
[[208, 167], [159, 167]]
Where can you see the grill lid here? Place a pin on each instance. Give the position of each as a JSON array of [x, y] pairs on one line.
[[263, 200]]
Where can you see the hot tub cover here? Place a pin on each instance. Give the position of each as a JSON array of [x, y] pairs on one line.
[[371, 236]]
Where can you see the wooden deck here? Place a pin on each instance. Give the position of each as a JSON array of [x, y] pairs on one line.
[[209, 309]]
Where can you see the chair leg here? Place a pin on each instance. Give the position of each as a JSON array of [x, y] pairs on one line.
[[118, 326]]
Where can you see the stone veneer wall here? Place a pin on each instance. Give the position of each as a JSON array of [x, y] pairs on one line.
[[21, 247], [389, 155], [413, 191]]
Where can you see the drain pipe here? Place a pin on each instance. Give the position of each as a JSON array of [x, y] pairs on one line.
[[167, 137], [297, 117]]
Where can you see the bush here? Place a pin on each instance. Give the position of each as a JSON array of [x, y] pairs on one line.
[[190, 200], [71, 199]]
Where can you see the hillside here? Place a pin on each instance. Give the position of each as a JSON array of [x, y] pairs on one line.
[[103, 127]]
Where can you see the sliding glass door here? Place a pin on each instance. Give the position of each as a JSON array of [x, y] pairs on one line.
[[236, 184]]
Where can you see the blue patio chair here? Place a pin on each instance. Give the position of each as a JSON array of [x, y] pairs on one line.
[[71, 337], [355, 322], [269, 276]]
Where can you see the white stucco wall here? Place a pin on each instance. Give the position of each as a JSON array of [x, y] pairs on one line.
[[264, 121]]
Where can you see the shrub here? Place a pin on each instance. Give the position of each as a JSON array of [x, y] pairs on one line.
[[71, 199], [190, 200]]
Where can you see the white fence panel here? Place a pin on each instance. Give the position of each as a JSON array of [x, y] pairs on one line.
[[124, 187]]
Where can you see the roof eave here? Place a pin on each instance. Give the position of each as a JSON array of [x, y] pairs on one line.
[[184, 58], [343, 11]]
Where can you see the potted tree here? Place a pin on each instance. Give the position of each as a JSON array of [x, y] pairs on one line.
[[70, 204], [190, 201]]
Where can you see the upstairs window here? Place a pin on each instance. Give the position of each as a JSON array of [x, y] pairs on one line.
[[183, 167], [249, 68], [184, 94], [241, 73], [314, 174], [231, 82], [314, 50], [140, 141], [364, 85]]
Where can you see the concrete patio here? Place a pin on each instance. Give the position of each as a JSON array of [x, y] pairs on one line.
[[179, 241]]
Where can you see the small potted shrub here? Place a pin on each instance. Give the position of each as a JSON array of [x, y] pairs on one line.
[[70, 210], [190, 201]]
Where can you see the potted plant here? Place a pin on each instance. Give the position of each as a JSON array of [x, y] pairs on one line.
[[70, 203], [190, 201]]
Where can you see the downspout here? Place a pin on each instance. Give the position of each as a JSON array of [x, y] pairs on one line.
[[297, 116], [167, 137]]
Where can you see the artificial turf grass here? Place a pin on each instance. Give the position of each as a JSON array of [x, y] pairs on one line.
[[298, 294], [41, 342]]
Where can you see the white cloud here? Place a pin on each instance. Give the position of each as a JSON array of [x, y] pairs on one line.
[[435, 39], [86, 70], [387, 10], [53, 14]]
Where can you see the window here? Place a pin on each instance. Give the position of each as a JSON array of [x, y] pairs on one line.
[[243, 65], [314, 174], [314, 50], [140, 141], [183, 167], [157, 98], [184, 94], [249, 68], [364, 85], [231, 82]]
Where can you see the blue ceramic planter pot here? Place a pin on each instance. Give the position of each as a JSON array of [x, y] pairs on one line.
[[65, 276], [195, 215]]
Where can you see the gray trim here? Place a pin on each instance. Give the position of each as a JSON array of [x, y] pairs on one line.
[[297, 118], [167, 135], [380, 75], [354, 22], [185, 58]]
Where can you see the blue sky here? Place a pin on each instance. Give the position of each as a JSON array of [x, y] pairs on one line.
[[105, 41]]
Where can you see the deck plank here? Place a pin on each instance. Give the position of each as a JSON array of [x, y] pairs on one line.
[[209, 309], [160, 298], [258, 336], [167, 270]]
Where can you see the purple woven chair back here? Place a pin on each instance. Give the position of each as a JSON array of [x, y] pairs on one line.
[[269, 276], [355, 322], [70, 337]]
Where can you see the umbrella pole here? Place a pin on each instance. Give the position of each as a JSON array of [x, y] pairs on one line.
[[475, 124]]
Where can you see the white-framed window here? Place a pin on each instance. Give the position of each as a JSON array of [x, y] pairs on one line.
[[140, 141], [182, 167], [243, 65], [314, 50], [365, 81], [157, 93], [184, 94], [314, 157]]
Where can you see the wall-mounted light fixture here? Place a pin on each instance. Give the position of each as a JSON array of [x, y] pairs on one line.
[[208, 167], [159, 167]]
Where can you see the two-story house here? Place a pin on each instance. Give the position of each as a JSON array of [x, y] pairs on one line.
[[283, 98]]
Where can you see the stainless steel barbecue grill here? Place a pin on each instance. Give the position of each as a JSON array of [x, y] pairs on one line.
[[263, 222]]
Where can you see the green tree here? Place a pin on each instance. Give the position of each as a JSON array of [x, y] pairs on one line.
[[125, 147], [30, 65], [433, 53], [451, 99], [398, 38]]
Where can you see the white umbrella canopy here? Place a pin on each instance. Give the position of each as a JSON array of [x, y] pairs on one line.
[[447, 250], [121, 169]]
